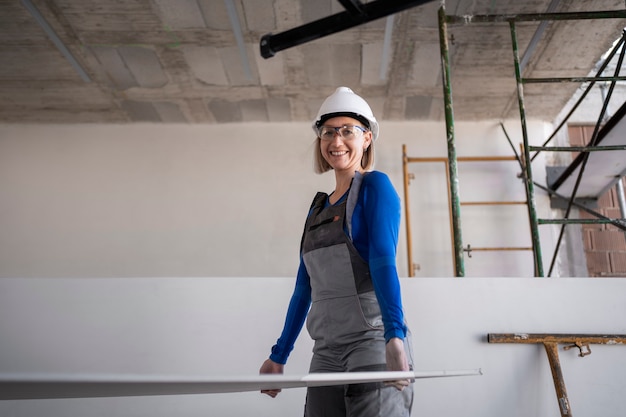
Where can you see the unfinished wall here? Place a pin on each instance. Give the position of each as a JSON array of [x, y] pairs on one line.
[[230, 200], [226, 326]]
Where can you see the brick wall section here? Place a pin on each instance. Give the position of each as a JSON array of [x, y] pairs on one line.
[[605, 245]]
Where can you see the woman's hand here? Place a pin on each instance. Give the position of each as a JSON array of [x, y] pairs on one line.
[[396, 361], [271, 367]]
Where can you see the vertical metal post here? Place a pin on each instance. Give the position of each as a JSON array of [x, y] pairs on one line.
[[452, 163], [451, 217], [552, 349], [407, 216], [550, 342], [528, 177]]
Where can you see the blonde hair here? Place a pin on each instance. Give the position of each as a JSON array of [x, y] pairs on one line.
[[321, 165]]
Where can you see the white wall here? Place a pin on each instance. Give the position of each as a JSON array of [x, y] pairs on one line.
[[230, 200], [226, 326], [127, 202]]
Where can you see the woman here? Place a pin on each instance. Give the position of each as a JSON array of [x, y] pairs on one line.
[[347, 274]]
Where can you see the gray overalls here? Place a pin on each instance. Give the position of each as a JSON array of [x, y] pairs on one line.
[[345, 319]]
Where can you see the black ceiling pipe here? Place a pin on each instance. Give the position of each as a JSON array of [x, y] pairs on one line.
[[270, 44], [352, 6]]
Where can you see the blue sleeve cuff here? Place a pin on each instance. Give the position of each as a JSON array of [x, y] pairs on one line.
[[280, 358], [391, 333]]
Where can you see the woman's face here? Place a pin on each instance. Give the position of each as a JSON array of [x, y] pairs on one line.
[[342, 143]]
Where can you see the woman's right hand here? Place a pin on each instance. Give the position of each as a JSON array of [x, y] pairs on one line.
[[271, 367]]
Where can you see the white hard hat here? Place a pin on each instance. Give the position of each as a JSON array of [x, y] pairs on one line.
[[344, 102]]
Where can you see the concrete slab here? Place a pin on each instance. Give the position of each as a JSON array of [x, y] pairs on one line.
[[181, 14], [145, 66], [205, 64]]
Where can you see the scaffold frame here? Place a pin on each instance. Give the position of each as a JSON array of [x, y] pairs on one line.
[[525, 159]]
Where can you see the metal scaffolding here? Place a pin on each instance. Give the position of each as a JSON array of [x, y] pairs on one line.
[[357, 13], [525, 158], [406, 160]]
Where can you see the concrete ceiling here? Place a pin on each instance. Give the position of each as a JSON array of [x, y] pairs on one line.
[[181, 61]]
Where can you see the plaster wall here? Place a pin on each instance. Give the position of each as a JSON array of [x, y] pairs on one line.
[[226, 326], [230, 200]]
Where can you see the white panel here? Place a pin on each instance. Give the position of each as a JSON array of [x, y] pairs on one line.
[[370, 67], [181, 14], [225, 111], [254, 110], [271, 71], [169, 112], [333, 65], [29, 386], [278, 110], [426, 70], [114, 67], [222, 326], [215, 14], [314, 10], [345, 64], [377, 105], [145, 66], [418, 107], [140, 111], [206, 64], [318, 65], [259, 15], [235, 67]]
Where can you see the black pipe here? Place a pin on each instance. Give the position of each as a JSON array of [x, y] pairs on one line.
[[352, 6], [272, 43]]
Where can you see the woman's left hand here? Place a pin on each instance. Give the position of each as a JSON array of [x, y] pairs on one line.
[[396, 361], [271, 367]]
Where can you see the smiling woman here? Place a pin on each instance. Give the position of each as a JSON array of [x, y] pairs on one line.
[[347, 287], [342, 145], [345, 109]]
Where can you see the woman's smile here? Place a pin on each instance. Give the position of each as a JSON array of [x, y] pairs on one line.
[[344, 153]]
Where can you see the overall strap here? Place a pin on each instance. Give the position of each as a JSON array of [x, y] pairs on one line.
[[318, 202], [316, 205], [353, 196]]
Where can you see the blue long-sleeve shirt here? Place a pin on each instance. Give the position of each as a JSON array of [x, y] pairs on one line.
[[375, 225]]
